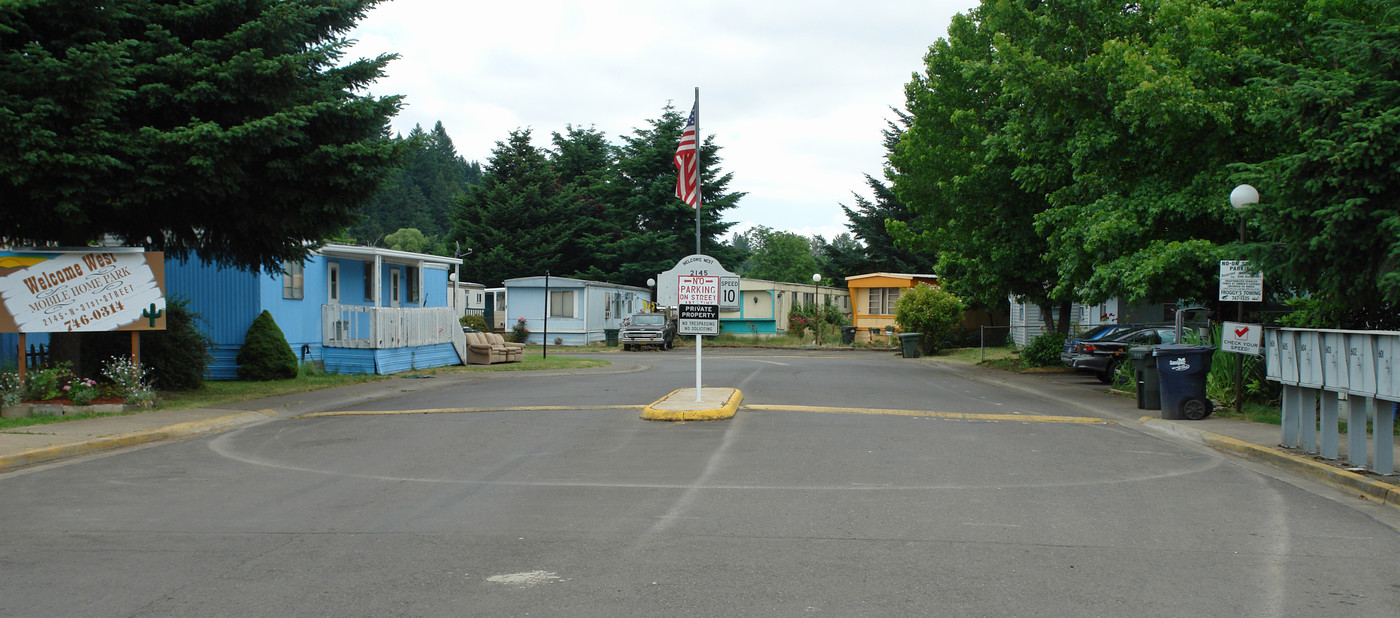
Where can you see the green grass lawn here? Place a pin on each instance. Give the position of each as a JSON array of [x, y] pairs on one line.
[[220, 392]]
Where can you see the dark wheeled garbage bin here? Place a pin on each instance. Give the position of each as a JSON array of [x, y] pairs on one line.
[[610, 335], [1149, 391], [909, 344], [848, 335], [1182, 371]]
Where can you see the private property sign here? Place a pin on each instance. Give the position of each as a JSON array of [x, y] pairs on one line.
[[82, 290], [697, 299]]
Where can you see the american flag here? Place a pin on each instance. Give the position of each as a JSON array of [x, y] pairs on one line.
[[688, 162]]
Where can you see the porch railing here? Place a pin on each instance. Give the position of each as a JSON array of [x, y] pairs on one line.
[[350, 326]]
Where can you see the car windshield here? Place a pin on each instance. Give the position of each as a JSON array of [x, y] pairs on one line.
[[648, 320]]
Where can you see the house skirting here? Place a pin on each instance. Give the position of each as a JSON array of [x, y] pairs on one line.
[[387, 361], [741, 327]]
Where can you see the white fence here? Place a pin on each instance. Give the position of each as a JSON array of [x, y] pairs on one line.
[[350, 326], [1326, 371]]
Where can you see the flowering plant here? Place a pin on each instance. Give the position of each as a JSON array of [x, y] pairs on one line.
[[10, 388], [81, 390], [518, 333], [129, 379]]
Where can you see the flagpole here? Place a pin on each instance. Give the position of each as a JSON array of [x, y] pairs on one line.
[[698, 174], [699, 171]]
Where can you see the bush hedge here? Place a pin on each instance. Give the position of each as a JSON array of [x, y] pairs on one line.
[[265, 354], [1044, 351]]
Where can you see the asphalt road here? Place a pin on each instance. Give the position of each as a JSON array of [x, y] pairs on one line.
[[915, 500]]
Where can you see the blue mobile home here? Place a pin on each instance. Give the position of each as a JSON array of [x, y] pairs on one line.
[[356, 309], [579, 310]]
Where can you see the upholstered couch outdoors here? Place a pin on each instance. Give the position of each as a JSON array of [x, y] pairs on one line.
[[491, 348]]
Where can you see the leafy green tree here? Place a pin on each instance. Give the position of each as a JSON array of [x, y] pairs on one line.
[[972, 209], [233, 130], [781, 256], [930, 311], [407, 239]]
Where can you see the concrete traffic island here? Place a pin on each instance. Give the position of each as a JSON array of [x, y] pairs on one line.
[[681, 405]]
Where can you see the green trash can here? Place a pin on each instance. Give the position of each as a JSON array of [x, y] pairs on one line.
[[1149, 389], [848, 335], [611, 336], [909, 344]]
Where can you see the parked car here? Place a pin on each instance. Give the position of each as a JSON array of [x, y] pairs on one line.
[[644, 329], [1102, 331], [1103, 357]]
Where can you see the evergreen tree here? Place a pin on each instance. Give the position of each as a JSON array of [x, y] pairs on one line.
[[586, 165], [422, 193], [517, 222], [652, 229], [1331, 198], [843, 257], [233, 130]]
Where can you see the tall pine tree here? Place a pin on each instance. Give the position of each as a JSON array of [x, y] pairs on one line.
[[234, 130], [517, 222]]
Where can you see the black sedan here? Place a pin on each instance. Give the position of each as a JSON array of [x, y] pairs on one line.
[[1103, 357], [1101, 332]]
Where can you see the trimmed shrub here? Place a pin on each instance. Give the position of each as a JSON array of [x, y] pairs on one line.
[[475, 322], [265, 354], [930, 311], [176, 358], [1044, 351]]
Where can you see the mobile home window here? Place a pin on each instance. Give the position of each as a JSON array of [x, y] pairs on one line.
[[882, 300], [412, 274], [333, 282], [607, 305], [369, 280], [561, 304], [293, 280]]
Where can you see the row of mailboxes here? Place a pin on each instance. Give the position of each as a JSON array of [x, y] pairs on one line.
[[1356, 362]]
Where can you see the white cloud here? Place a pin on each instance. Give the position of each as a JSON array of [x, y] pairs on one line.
[[796, 93]]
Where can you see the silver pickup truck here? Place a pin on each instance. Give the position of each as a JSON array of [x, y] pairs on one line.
[[644, 329]]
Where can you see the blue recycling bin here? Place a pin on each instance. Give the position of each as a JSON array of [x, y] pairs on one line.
[[1181, 374]]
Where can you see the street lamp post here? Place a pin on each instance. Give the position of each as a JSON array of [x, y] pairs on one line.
[[817, 311], [650, 284], [1241, 198]]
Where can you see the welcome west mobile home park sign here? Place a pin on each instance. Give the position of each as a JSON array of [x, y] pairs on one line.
[[82, 290]]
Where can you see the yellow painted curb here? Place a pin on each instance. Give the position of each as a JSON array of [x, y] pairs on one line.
[[94, 445], [1026, 418], [1383, 493], [674, 408]]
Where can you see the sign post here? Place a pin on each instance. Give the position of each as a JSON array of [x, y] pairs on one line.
[[699, 287], [697, 299], [1241, 284]]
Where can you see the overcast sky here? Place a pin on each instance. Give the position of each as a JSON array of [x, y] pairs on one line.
[[795, 93]]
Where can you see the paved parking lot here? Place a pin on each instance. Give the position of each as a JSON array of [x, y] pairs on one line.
[[969, 494]]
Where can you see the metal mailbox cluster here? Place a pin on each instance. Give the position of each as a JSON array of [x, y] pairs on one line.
[[1320, 368]]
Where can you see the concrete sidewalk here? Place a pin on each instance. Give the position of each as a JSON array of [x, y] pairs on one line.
[[28, 446]]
